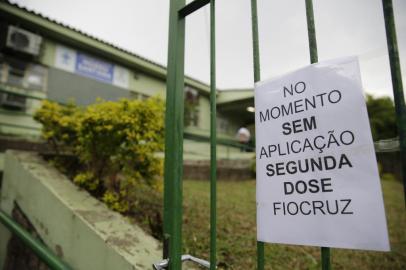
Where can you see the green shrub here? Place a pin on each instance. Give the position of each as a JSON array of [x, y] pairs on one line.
[[388, 177], [115, 143], [59, 123]]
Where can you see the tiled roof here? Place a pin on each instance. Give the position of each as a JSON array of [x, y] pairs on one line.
[[50, 20]]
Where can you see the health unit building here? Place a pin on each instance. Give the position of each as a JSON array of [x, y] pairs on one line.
[[43, 59]]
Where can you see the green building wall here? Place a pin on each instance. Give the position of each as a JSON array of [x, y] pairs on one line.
[[145, 79]]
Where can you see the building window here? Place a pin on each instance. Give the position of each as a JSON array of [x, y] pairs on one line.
[[191, 114], [16, 71], [23, 74], [222, 125], [135, 95], [3, 71], [35, 77]]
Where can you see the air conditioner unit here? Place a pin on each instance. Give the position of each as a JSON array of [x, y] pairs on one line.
[[12, 101], [23, 41]]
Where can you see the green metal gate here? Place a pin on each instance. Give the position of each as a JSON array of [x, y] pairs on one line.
[[179, 10]]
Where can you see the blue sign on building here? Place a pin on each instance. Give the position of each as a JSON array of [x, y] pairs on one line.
[[76, 62], [94, 68]]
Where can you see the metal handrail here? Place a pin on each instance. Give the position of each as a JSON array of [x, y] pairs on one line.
[[50, 259]]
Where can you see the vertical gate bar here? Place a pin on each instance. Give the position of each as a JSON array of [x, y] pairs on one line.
[[213, 138], [311, 32], [174, 136], [255, 43], [397, 86], [257, 77], [325, 258]]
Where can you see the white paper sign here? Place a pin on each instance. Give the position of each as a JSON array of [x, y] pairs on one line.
[[65, 58], [317, 175]]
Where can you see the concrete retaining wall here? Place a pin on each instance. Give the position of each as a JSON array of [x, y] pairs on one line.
[[73, 224]]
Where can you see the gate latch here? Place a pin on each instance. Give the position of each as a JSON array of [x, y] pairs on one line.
[[164, 264]]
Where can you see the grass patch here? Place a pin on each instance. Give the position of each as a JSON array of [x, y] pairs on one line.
[[236, 231]]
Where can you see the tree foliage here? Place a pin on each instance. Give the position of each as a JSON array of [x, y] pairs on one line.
[[382, 117]]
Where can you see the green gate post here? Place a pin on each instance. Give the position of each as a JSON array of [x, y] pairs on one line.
[[174, 137], [325, 251], [396, 83], [174, 132], [257, 78], [213, 137], [174, 119]]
